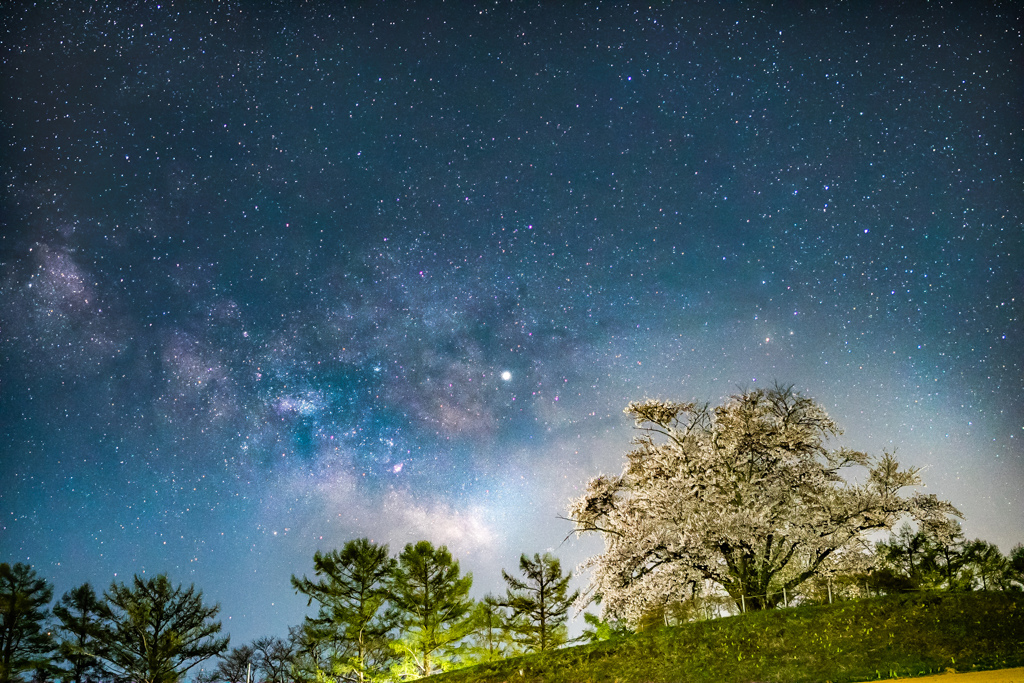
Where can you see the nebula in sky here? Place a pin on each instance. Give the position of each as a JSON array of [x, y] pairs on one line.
[[277, 275]]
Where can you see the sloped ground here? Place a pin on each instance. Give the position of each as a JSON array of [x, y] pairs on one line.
[[892, 637], [999, 676]]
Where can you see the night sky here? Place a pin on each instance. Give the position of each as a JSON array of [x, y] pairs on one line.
[[275, 275]]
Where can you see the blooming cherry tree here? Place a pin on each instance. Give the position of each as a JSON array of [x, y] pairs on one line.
[[745, 498]]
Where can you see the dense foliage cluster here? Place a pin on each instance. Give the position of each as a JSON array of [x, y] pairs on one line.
[[144, 632], [384, 618], [717, 511], [746, 501], [378, 618]]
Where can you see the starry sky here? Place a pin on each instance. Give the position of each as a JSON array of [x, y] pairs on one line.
[[274, 275]]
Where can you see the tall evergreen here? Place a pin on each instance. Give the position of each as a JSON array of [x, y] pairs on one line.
[[987, 565], [541, 601], [355, 619], [433, 597], [1015, 567], [79, 614], [492, 638], [155, 633], [24, 642]]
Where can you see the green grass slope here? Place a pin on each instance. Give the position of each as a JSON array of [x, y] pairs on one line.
[[850, 641]]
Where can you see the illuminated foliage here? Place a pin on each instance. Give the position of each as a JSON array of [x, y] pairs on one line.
[[746, 497], [155, 633]]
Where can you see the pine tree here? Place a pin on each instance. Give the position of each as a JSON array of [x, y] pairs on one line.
[[155, 633], [435, 607], [493, 627], [987, 564], [906, 552], [541, 602], [24, 642], [949, 557], [80, 614], [1014, 572], [935, 556], [355, 619]]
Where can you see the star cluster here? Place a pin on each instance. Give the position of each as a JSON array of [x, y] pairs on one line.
[[274, 275]]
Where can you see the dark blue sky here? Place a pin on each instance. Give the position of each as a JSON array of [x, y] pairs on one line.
[[264, 266]]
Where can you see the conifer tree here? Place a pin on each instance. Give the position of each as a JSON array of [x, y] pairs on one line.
[[80, 613], [541, 602], [354, 620], [433, 597], [1013, 573], [493, 632], [987, 565], [906, 551], [24, 642], [155, 633]]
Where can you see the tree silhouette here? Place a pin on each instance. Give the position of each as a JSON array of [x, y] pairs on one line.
[[80, 614], [155, 633], [24, 644], [541, 601], [354, 619], [235, 666], [435, 607]]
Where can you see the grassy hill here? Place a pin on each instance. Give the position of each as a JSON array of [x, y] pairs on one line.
[[866, 640]]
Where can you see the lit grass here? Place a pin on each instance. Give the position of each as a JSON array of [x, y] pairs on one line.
[[851, 641]]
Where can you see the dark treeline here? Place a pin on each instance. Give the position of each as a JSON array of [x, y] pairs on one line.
[[385, 618], [378, 618], [717, 511], [392, 618]]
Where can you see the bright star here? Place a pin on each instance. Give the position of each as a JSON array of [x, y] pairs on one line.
[[506, 375]]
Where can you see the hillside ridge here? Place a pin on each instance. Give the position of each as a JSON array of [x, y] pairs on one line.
[[877, 638]]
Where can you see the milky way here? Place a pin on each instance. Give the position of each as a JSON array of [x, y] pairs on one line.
[[276, 276]]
